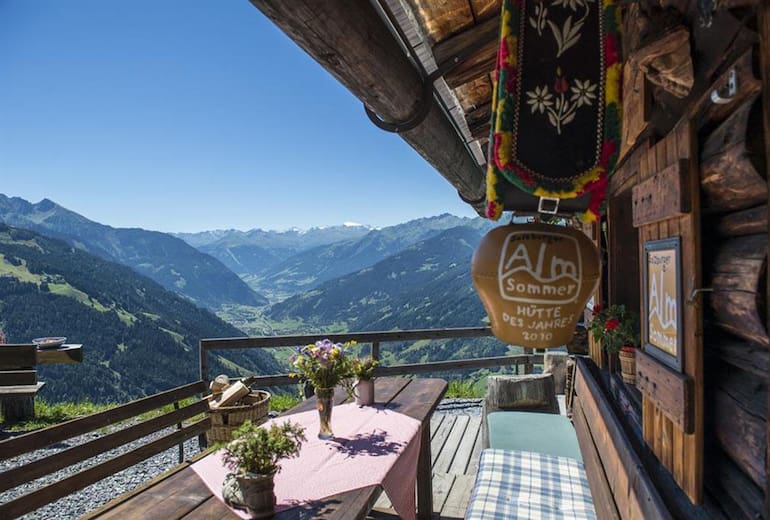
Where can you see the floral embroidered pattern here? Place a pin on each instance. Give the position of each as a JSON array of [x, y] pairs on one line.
[[561, 110], [568, 34]]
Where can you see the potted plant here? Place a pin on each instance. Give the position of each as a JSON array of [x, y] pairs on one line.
[[618, 331], [324, 365], [363, 385], [254, 457]]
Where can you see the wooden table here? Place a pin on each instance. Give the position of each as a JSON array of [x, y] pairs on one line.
[[180, 493]]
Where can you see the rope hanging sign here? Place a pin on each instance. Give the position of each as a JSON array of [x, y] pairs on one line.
[[556, 104]]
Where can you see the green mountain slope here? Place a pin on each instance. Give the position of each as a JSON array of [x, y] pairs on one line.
[[138, 338], [166, 259], [425, 286]]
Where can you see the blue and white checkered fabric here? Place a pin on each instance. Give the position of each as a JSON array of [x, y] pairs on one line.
[[524, 484]]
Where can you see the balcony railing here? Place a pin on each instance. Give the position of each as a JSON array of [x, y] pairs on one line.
[[375, 340]]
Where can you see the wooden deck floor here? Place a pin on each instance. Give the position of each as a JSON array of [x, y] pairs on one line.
[[455, 445]]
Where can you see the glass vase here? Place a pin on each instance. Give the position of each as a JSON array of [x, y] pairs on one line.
[[324, 404]]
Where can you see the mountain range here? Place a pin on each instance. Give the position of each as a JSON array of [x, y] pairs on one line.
[[413, 275], [138, 337], [168, 260]]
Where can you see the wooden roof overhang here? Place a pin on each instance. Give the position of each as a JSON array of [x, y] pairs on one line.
[[386, 52]]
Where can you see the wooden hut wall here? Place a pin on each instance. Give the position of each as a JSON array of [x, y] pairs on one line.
[[731, 164]]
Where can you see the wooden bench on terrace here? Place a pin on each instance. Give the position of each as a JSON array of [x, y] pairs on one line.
[[134, 429]]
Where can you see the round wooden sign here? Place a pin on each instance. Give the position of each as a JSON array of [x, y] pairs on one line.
[[534, 281]]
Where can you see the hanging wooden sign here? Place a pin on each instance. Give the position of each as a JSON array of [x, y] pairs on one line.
[[663, 301], [534, 281]]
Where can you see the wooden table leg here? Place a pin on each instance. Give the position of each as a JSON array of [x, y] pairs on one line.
[[424, 477]]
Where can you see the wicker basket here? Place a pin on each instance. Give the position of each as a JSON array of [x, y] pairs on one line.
[[226, 419]]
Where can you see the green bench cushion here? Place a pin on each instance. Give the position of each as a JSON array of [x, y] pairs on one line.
[[532, 431]]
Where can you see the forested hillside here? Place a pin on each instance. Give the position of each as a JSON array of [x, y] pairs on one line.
[[426, 286], [171, 262], [138, 338]]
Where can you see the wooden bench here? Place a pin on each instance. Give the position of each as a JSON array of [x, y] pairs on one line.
[[135, 428], [620, 485], [18, 381]]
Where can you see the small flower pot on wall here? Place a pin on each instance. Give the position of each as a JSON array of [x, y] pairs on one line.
[[627, 356]]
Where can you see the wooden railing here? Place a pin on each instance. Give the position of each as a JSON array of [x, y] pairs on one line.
[[375, 340]]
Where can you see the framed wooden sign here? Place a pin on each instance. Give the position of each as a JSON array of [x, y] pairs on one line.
[[663, 304]]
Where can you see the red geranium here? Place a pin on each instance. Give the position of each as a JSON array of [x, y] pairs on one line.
[[615, 327], [611, 324]]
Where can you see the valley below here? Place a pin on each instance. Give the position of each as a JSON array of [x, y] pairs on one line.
[[139, 301]]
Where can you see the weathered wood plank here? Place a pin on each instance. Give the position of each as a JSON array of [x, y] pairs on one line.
[[763, 26], [16, 356], [64, 354], [741, 435], [67, 485], [442, 20], [469, 49], [669, 390], [359, 337], [464, 450], [662, 196], [750, 357], [47, 465], [458, 497], [736, 277], [444, 461], [726, 479], [18, 377], [60, 432], [747, 222], [635, 494], [732, 166], [604, 502]]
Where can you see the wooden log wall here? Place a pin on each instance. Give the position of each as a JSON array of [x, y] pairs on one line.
[[732, 168], [735, 194]]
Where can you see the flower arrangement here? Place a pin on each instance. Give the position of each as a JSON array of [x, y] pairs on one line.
[[323, 363], [363, 368], [616, 327], [259, 450]]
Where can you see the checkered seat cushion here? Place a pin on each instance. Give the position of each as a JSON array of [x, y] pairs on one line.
[[528, 485]]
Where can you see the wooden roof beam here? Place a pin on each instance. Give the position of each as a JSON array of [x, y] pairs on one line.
[[473, 52], [351, 41]]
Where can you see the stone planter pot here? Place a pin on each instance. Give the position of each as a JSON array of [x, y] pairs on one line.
[[252, 492], [364, 392]]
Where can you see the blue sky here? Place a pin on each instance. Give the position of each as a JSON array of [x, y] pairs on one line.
[[190, 115]]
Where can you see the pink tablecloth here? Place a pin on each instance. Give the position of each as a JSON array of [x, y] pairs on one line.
[[372, 445]]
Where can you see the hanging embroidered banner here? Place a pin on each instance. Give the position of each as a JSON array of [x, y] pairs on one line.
[[556, 104], [534, 281]]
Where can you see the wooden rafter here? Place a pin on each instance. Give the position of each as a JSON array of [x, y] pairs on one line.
[[482, 39]]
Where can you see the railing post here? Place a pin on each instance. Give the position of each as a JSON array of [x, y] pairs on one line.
[[375, 350], [204, 362]]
